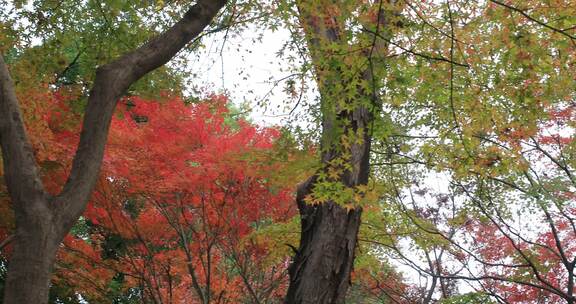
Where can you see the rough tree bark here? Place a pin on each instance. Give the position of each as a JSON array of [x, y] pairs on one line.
[[321, 269], [42, 220]]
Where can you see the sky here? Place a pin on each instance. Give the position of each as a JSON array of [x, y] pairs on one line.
[[249, 69]]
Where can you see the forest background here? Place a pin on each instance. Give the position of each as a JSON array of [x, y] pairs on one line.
[[429, 146]]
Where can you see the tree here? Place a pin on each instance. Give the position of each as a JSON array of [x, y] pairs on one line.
[[349, 84], [476, 95], [488, 118], [43, 220], [185, 213], [173, 174]]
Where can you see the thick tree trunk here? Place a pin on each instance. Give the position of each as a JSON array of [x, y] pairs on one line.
[[30, 270], [30, 266], [321, 269], [320, 272]]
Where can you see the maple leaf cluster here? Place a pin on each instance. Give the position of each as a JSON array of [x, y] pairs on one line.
[[183, 190]]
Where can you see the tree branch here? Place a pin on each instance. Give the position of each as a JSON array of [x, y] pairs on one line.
[[112, 80], [20, 171], [415, 53], [557, 30], [6, 241]]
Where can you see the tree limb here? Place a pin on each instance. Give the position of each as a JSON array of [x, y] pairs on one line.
[[21, 174], [6, 241], [112, 80]]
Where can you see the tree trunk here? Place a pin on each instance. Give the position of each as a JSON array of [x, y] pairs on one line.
[[320, 272], [321, 269], [42, 221], [30, 267]]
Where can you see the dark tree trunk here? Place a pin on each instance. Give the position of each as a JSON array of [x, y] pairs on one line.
[[43, 221], [31, 263], [320, 272], [321, 269]]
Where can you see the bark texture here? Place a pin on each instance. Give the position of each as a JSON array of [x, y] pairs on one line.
[[43, 221], [320, 272], [321, 269]]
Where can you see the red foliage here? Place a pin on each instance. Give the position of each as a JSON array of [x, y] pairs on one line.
[[558, 130], [530, 267], [185, 189], [52, 127], [182, 187]]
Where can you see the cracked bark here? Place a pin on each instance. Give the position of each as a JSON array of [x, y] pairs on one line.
[[321, 269]]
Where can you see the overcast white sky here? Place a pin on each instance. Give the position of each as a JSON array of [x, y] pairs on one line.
[[247, 69]]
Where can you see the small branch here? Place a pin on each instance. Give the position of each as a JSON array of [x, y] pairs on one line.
[[411, 6], [557, 30], [411, 51], [68, 67]]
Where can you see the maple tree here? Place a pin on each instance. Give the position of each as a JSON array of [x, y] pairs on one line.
[[186, 214], [191, 214], [330, 201], [477, 167], [42, 220]]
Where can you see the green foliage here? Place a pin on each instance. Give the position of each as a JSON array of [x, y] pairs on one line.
[[62, 42], [119, 294], [280, 239], [81, 229], [61, 294]]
